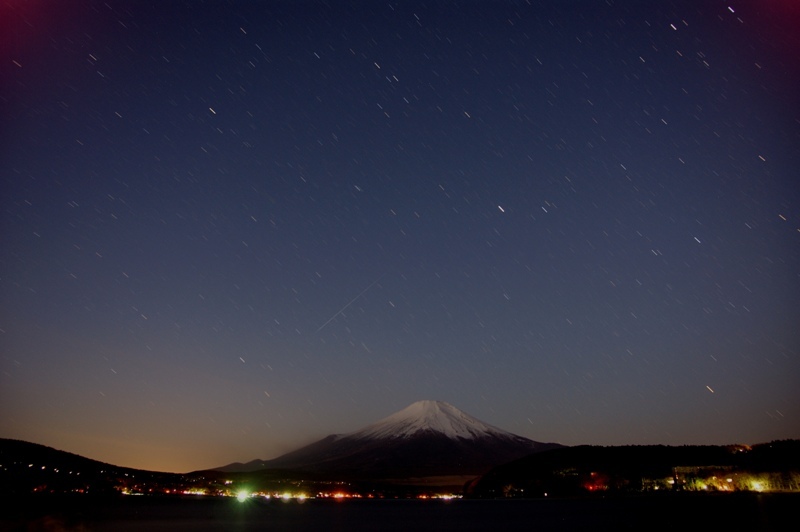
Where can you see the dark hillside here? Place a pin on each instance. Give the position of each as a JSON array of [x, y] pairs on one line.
[[586, 469]]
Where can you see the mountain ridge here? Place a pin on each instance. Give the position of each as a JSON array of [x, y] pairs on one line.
[[426, 438]]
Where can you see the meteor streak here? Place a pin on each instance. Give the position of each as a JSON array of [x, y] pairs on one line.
[[350, 303]]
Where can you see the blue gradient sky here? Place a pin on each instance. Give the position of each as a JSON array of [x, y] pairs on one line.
[[230, 228]]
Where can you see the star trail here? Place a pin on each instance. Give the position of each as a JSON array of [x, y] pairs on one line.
[[230, 228]]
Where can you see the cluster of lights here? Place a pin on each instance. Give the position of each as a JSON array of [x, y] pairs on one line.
[[338, 495], [244, 495], [743, 482], [736, 482]]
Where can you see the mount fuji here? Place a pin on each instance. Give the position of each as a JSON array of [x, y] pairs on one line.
[[427, 438]]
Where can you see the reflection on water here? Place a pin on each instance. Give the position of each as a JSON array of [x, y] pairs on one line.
[[687, 512]]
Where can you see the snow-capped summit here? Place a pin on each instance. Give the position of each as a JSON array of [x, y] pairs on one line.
[[431, 416], [427, 438]]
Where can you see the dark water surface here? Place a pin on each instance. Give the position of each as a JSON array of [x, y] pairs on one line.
[[678, 512]]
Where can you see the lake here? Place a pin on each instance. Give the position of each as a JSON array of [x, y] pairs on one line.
[[745, 511]]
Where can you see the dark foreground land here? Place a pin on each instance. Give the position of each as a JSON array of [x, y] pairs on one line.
[[739, 511]]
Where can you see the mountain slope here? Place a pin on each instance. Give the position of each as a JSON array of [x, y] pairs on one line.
[[32, 468], [436, 416], [425, 439]]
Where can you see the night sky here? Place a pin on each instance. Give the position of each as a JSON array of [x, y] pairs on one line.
[[232, 228]]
